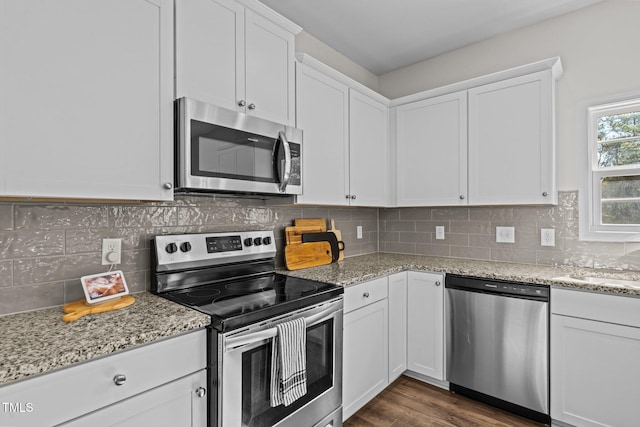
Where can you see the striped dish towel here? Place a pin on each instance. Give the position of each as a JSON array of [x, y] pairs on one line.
[[289, 363]]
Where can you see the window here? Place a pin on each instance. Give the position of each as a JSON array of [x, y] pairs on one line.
[[611, 208]]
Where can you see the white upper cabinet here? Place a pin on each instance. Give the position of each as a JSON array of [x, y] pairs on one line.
[[234, 57], [431, 144], [368, 150], [485, 141], [511, 142], [86, 99], [345, 132]]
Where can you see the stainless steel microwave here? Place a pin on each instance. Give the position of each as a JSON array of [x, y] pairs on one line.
[[223, 150]]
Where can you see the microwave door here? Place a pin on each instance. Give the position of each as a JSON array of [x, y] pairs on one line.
[[283, 160]]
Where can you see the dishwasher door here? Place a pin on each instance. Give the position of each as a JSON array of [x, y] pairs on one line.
[[498, 345]]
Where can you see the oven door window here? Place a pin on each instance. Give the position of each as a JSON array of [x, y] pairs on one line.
[[221, 152], [256, 376]]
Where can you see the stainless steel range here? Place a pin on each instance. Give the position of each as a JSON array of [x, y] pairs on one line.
[[232, 278]]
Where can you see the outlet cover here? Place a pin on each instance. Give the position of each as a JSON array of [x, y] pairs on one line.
[[111, 251], [505, 234], [547, 237], [439, 232], [359, 232]]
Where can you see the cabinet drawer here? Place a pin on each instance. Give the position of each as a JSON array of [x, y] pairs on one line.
[[77, 390], [363, 294], [618, 309]]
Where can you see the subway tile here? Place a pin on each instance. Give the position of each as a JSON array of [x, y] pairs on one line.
[[6, 217], [390, 214], [433, 250], [339, 214], [469, 252], [73, 290], [314, 212], [400, 226], [568, 199], [415, 214], [60, 216], [142, 216], [491, 214], [31, 297], [6, 273], [482, 240], [564, 258], [430, 226], [414, 237], [471, 227], [389, 236], [55, 268], [403, 248], [450, 214], [31, 243], [453, 239], [364, 215], [525, 214], [90, 240]]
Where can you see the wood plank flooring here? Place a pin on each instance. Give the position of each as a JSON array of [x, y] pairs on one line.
[[409, 402]]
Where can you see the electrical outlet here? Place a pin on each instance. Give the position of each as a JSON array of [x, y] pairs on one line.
[[359, 232], [547, 237], [111, 251], [439, 232], [505, 234]]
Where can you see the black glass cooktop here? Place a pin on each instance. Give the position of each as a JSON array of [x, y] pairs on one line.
[[239, 302]]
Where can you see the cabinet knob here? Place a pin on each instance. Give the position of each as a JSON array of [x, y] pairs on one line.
[[462, 197], [365, 295], [119, 379], [252, 106], [438, 283], [545, 194], [201, 391], [353, 197], [241, 103], [347, 196], [167, 185]]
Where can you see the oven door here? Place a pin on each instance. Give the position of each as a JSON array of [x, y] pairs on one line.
[[244, 370]]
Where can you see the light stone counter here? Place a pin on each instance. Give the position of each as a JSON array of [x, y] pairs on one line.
[[39, 341], [362, 268]]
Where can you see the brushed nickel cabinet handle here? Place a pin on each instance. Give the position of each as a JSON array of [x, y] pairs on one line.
[[119, 379]]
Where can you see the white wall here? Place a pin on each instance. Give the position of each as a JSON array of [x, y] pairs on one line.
[[598, 46], [306, 43]]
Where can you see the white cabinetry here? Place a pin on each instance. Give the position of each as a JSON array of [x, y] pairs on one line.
[[511, 142], [425, 326], [485, 141], [233, 56], [595, 343], [397, 325], [86, 99], [365, 351], [163, 383], [431, 144], [345, 125]]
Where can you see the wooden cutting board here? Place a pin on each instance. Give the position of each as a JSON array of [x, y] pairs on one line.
[[311, 222], [77, 309], [294, 234], [305, 255], [338, 234]]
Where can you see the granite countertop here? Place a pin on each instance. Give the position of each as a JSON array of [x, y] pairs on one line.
[[362, 268], [39, 341]]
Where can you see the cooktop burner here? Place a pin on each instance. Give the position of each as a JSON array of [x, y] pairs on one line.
[[256, 297]]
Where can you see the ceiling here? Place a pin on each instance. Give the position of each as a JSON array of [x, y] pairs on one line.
[[384, 35]]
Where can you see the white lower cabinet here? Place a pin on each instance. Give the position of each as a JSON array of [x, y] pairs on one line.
[[595, 348], [365, 357], [425, 325], [397, 325], [160, 384]]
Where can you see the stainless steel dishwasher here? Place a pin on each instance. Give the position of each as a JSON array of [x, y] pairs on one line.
[[498, 343]]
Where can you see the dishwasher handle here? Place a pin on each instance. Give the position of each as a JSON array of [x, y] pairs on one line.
[[505, 288]]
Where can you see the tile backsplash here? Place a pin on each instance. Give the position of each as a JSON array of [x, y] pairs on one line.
[[470, 232], [46, 247]]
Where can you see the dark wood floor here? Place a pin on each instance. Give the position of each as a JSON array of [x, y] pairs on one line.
[[409, 402]]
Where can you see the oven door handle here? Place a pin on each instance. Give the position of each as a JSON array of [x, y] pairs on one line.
[[244, 340]]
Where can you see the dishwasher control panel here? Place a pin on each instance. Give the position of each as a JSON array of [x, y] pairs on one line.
[[515, 289]]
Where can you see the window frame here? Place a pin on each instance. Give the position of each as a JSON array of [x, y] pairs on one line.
[[590, 199]]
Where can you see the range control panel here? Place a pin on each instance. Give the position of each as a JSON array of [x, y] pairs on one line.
[[213, 248]]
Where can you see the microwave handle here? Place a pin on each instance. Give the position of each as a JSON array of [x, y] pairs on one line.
[[286, 173]]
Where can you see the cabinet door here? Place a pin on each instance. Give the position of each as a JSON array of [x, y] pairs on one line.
[[425, 326], [397, 325], [269, 78], [511, 142], [368, 151], [322, 113], [365, 359], [431, 141], [179, 403], [210, 52], [86, 97], [594, 372]]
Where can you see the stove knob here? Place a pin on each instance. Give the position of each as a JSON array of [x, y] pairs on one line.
[[185, 247], [266, 240], [257, 241], [248, 241], [171, 248]]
